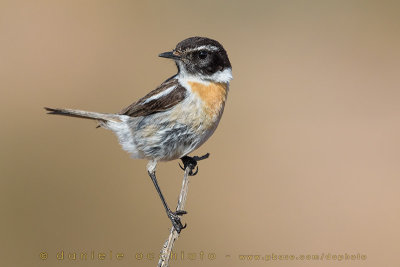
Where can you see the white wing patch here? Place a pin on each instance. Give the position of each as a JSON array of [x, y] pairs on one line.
[[159, 95]]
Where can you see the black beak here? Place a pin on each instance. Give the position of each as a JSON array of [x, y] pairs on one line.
[[169, 55]]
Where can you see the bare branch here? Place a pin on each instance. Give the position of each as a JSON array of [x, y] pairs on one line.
[[166, 250]]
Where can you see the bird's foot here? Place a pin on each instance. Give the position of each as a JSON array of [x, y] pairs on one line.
[[176, 220], [191, 163]]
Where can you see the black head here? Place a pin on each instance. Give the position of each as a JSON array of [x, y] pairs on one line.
[[201, 57]]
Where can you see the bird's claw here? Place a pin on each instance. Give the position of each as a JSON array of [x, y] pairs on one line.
[[176, 220], [191, 173], [197, 158], [180, 212], [191, 163], [180, 166]]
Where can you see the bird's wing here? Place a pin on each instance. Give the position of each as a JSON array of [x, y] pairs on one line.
[[164, 97]]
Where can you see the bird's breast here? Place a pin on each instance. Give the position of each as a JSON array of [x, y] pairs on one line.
[[212, 95], [202, 108], [177, 132]]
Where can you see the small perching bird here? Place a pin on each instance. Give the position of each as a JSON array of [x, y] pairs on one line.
[[177, 117]]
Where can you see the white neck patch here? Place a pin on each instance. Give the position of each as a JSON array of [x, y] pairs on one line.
[[224, 76]]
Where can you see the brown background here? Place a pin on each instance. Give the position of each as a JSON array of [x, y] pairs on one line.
[[305, 160]]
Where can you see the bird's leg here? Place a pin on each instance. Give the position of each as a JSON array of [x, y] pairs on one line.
[[191, 162], [173, 216]]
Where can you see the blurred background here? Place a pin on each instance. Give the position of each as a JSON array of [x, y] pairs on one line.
[[305, 160]]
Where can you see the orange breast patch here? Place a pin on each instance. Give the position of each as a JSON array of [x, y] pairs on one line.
[[213, 94]]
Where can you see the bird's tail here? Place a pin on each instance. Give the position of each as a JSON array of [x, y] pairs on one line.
[[102, 117]]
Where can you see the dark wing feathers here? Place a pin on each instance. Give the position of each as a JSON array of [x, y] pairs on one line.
[[159, 104]]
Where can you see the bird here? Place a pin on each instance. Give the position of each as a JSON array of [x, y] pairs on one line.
[[178, 116]]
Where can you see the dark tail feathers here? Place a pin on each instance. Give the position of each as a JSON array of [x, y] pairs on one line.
[[104, 117]]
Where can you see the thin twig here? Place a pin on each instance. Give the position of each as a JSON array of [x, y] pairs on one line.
[[166, 250]]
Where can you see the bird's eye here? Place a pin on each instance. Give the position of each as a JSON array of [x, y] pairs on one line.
[[203, 54]]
